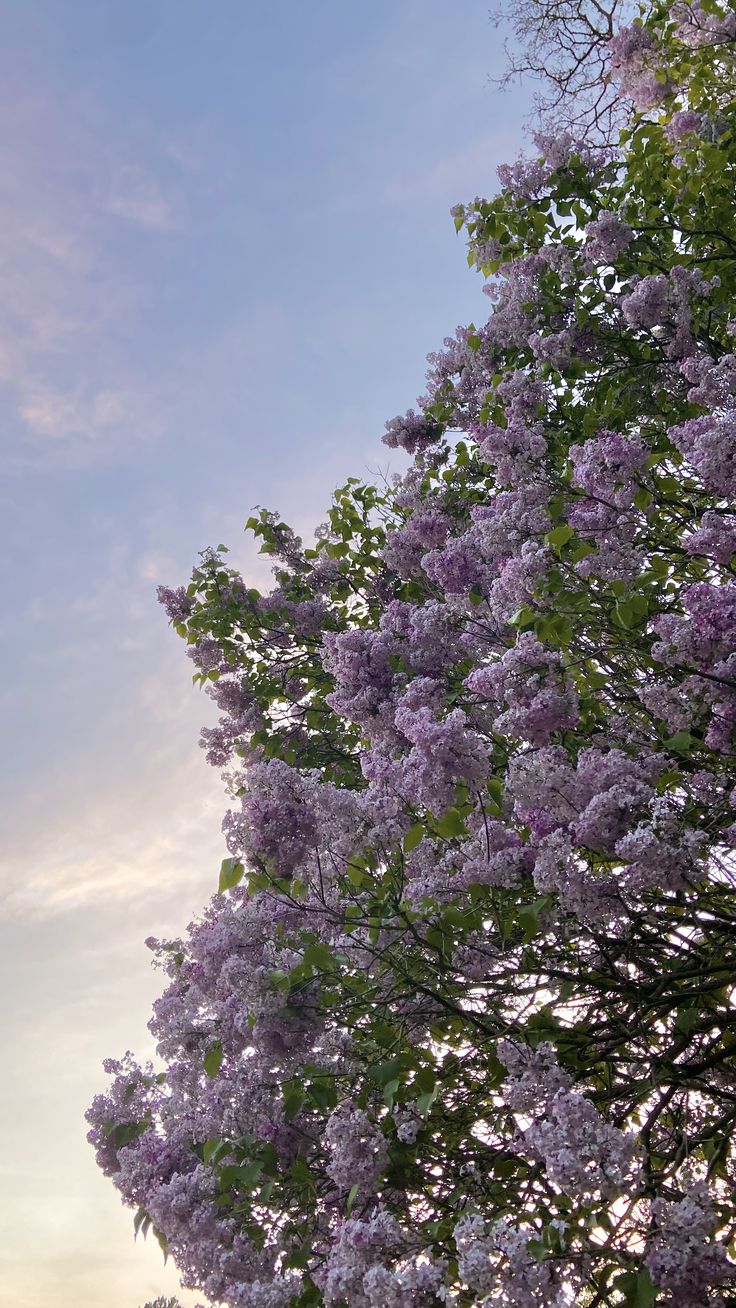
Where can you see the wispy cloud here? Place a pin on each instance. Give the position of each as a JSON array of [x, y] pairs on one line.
[[137, 196], [54, 415], [132, 831], [65, 295], [122, 805]]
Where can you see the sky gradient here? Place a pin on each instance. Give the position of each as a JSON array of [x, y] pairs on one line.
[[225, 251]]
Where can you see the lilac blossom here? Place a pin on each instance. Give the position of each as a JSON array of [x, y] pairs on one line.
[[591, 897], [518, 580], [497, 857], [177, 603], [534, 1075], [713, 383], [443, 751], [459, 566], [634, 58], [450, 837], [607, 237], [497, 1264], [208, 656], [525, 178], [513, 451], [528, 679], [662, 304], [356, 1147], [582, 1153], [285, 816], [405, 545], [607, 466], [698, 26], [682, 1257], [412, 433], [361, 663], [682, 123], [709, 446], [359, 1245], [715, 537], [595, 801]]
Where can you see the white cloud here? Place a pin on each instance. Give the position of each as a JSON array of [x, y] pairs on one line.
[[68, 300], [55, 415], [102, 837], [137, 197]]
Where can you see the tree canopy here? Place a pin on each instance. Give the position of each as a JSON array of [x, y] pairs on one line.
[[457, 1027]]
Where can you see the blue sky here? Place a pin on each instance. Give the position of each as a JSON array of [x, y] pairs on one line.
[[225, 251]]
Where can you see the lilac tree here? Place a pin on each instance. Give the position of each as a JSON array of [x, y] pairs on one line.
[[457, 1027]]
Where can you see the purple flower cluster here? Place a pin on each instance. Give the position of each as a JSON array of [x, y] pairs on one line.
[[286, 816], [634, 63], [701, 642], [497, 1264], [357, 1149], [530, 681], [682, 123], [177, 603], [582, 1153], [715, 537], [442, 751], [700, 26], [709, 446], [607, 237], [514, 451], [663, 304], [413, 433], [373, 1263], [713, 382], [606, 467], [682, 1258]]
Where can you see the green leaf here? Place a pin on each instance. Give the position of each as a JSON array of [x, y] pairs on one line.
[[450, 824], [389, 1091], [231, 872], [293, 1100], [681, 742], [425, 1079], [389, 1070], [356, 874], [213, 1059], [213, 1151], [125, 1133], [414, 835], [495, 788], [686, 1020], [631, 612], [141, 1222], [523, 617], [529, 916], [323, 1094], [637, 1288], [319, 956], [424, 1101], [560, 536], [352, 1194]]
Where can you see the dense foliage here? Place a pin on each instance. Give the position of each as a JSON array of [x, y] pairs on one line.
[[458, 1025]]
